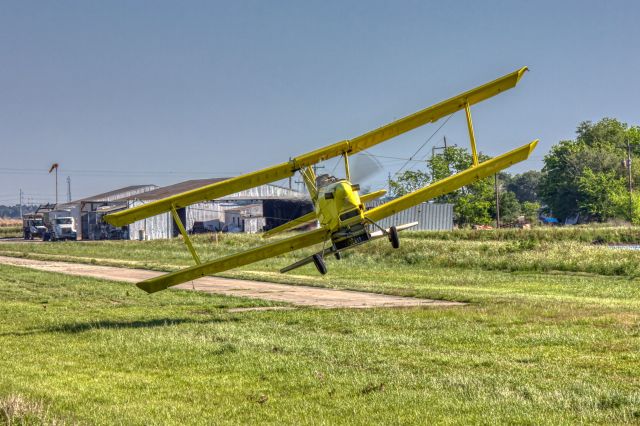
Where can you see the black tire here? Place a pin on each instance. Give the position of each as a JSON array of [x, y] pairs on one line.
[[338, 255], [393, 237], [320, 265]]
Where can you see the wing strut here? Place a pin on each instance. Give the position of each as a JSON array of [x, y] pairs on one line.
[[472, 136], [185, 236]]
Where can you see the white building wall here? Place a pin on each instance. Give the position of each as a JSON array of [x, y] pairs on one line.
[[151, 228], [430, 216], [203, 212], [265, 192], [161, 226]]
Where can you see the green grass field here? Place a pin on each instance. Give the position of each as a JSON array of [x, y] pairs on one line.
[[551, 336]]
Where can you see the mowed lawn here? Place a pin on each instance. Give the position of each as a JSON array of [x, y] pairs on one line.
[[546, 338]]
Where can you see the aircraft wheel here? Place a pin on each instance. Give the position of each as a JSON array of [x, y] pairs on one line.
[[338, 255], [393, 237], [320, 265]]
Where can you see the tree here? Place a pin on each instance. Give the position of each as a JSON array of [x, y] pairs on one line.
[[531, 211], [601, 148], [509, 207], [599, 193], [408, 181], [525, 185], [473, 203]]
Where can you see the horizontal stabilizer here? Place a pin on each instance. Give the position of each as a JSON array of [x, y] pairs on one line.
[[299, 221], [379, 233], [373, 195]]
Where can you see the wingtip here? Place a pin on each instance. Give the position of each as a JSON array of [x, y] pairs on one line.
[[147, 287], [521, 72], [534, 143]]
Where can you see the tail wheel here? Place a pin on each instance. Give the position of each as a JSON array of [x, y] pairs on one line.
[[393, 237], [338, 255], [320, 265]]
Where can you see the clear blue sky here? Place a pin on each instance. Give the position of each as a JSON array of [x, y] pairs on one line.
[[127, 92]]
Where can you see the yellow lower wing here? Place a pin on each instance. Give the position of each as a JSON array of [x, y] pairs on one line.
[[444, 186], [234, 260]]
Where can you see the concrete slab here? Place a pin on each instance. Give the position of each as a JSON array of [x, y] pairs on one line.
[[292, 294]]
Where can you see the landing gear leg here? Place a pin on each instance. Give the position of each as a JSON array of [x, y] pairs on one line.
[[392, 234]]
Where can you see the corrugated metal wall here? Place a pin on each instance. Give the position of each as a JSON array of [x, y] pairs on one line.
[[430, 216], [253, 225], [265, 192], [161, 226], [203, 212], [151, 228]]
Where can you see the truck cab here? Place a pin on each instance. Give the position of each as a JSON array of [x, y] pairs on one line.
[[60, 226]]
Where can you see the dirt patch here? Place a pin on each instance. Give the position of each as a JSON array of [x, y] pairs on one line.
[[262, 308], [292, 294]]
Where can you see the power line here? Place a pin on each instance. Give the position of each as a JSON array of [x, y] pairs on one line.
[[99, 172]]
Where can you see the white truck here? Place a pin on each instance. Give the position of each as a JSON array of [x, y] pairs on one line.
[[60, 224]]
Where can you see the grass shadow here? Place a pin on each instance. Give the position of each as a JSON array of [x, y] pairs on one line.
[[81, 327]]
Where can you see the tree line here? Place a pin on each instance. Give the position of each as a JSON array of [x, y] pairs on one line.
[[585, 179], [14, 211]]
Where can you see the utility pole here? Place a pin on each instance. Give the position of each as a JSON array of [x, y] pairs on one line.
[[497, 202], [20, 203], [436, 148], [629, 178], [69, 188], [315, 169]]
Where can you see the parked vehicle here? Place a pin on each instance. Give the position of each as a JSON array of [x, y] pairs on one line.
[[60, 225], [33, 226]]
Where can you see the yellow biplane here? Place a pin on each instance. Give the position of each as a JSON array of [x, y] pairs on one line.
[[339, 208]]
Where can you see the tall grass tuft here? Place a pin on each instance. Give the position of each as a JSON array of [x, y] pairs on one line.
[[17, 410]]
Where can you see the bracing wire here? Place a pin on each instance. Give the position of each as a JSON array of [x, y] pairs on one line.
[[424, 144]]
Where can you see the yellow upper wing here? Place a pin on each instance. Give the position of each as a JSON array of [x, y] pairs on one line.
[[444, 186], [284, 170], [234, 260]]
